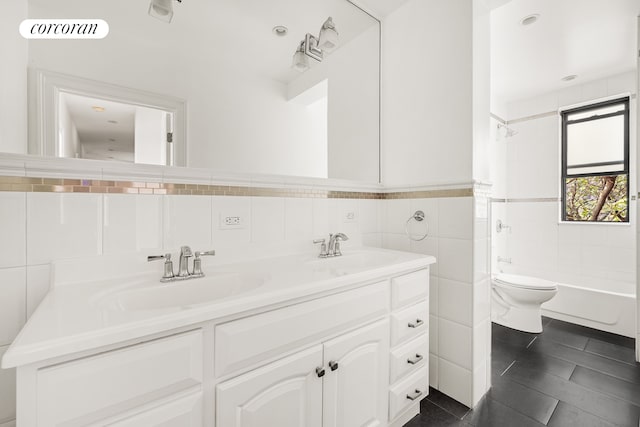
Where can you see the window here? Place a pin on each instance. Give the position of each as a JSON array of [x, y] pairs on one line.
[[595, 162]]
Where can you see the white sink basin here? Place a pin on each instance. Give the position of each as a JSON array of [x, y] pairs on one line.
[[180, 294], [352, 262]]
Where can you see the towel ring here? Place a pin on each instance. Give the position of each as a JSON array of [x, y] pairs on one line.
[[419, 217]]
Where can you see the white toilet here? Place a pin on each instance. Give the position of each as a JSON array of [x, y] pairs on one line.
[[516, 301]]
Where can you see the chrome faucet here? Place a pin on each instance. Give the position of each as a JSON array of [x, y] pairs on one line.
[[183, 267], [332, 248]]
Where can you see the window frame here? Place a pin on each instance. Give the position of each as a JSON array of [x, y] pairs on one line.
[[564, 114]]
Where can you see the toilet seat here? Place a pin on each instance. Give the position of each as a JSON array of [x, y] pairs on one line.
[[524, 282]]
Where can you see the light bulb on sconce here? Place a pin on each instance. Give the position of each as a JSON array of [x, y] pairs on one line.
[[162, 9], [300, 60], [328, 39]]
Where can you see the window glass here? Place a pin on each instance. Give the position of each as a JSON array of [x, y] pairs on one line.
[[596, 112], [596, 141]]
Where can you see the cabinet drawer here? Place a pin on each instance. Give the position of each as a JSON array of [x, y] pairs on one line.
[[408, 391], [409, 357], [182, 412], [409, 323], [409, 288], [88, 390], [245, 342]]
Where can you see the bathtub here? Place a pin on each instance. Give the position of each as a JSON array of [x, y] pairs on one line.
[[608, 311]]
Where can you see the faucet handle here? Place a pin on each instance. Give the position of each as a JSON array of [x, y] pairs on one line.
[[168, 266], [198, 254], [197, 262], [323, 247], [158, 257]]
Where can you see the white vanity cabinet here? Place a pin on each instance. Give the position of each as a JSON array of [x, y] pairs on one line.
[[351, 357], [340, 383]]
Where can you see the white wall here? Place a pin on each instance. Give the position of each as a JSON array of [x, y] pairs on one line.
[[426, 92], [600, 256], [13, 79], [150, 136]]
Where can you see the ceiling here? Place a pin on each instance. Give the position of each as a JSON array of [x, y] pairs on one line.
[[232, 34], [590, 38]]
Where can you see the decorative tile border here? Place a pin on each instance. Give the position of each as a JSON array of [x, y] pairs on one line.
[[429, 194], [528, 200], [61, 185]]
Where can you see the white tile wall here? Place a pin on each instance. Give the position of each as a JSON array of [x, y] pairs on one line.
[[187, 221], [12, 229], [38, 281], [132, 223], [480, 381], [298, 221], [433, 371], [454, 219], [455, 259], [455, 300], [267, 219], [7, 392], [63, 226], [455, 381], [455, 343]]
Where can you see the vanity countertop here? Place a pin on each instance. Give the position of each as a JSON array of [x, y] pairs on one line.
[[86, 313]]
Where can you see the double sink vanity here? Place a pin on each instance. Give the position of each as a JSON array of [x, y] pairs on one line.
[[286, 341]]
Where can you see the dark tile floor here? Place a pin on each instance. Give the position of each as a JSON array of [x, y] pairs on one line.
[[566, 376]]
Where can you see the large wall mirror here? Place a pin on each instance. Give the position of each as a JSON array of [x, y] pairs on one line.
[[219, 79]]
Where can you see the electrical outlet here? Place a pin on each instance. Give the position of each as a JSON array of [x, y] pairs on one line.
[[350, 216], [231, 221]]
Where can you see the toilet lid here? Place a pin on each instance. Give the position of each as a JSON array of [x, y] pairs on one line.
[[525, 282]]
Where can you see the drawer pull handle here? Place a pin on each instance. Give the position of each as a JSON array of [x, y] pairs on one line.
[[415, 395], [415, 324], [333, 365], [416, 360], [320, 372]]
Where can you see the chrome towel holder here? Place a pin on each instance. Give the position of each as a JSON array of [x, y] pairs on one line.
[[419, 217]]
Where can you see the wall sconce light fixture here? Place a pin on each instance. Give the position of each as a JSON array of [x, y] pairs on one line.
[[316, 47], [162, 9]]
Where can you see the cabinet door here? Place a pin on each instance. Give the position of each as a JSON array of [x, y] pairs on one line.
[[357, 379], [286, 393]]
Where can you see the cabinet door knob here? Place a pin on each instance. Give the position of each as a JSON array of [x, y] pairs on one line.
[[415, 359], [413, 396], [415, 324], [333, 365], [320, 372]]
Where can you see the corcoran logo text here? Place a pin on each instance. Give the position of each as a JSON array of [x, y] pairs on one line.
[[64, 29]]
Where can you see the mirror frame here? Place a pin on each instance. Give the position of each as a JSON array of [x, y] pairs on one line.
[[45, 88]]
